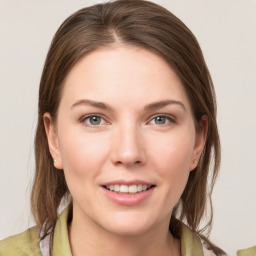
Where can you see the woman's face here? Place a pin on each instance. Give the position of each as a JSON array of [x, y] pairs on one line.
[[125, 138]]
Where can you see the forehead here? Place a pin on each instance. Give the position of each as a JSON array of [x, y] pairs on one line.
[[123, 73]]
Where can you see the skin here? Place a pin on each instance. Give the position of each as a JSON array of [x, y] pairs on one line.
[[126, 142]]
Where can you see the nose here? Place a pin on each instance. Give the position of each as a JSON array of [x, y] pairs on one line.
[[128, 148]]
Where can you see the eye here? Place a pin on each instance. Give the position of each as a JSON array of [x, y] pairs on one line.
[[161, 120], [93, 120]]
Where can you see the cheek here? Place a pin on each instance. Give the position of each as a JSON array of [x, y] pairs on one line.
[[172, 159], [174, 151], [82, 154]]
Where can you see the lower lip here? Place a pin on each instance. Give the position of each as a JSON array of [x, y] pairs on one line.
[[127, 198]]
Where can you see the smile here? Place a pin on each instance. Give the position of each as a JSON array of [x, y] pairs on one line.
[[132, 189], [128, 193]]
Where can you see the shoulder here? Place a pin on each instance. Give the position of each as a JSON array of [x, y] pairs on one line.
[[247, 252], [26, 243]]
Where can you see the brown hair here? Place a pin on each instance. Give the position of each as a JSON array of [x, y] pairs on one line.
[[142, 24]]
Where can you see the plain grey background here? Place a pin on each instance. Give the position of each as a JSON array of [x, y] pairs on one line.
[[226, 31]]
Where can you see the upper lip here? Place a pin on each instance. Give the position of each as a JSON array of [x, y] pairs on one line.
[[127, 182]]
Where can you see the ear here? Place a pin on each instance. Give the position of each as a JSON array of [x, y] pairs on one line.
[[53, 142], [200, 139]]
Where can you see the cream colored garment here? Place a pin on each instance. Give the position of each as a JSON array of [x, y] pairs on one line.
[[208, 252]]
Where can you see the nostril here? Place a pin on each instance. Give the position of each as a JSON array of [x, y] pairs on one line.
[[128, 163]]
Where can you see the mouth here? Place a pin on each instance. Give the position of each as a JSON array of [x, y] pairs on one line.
[[128, 193], [128, 189]]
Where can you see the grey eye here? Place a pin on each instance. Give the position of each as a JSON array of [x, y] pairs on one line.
[[94, 120], [160, 120]]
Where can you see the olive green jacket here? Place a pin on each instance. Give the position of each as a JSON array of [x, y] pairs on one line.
[[28, 242], [247, 252]]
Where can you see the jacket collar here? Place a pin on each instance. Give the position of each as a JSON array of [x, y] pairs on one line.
[[61, 244], [190, 243]]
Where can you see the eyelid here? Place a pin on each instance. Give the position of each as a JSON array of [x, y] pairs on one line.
[[85, 117], [171, 118]]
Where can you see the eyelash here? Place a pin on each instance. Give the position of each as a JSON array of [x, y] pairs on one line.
[[87, 117], [169, 118]]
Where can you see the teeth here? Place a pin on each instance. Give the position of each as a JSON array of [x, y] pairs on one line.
[[116, 188], [123, 189], [128, 189], [133, 189]]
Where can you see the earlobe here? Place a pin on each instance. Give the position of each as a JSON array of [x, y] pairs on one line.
[[53, 143], [200, 140]]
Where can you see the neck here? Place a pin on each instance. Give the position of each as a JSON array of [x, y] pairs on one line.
[[87, 238]]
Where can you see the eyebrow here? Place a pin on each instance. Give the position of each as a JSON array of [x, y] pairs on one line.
[[149, 107], [93, 103], [163, 103]]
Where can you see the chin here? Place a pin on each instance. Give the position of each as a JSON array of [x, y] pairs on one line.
[[129, 231], [128, 226]]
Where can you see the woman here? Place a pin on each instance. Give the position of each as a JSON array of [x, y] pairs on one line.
[[126, 133]]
